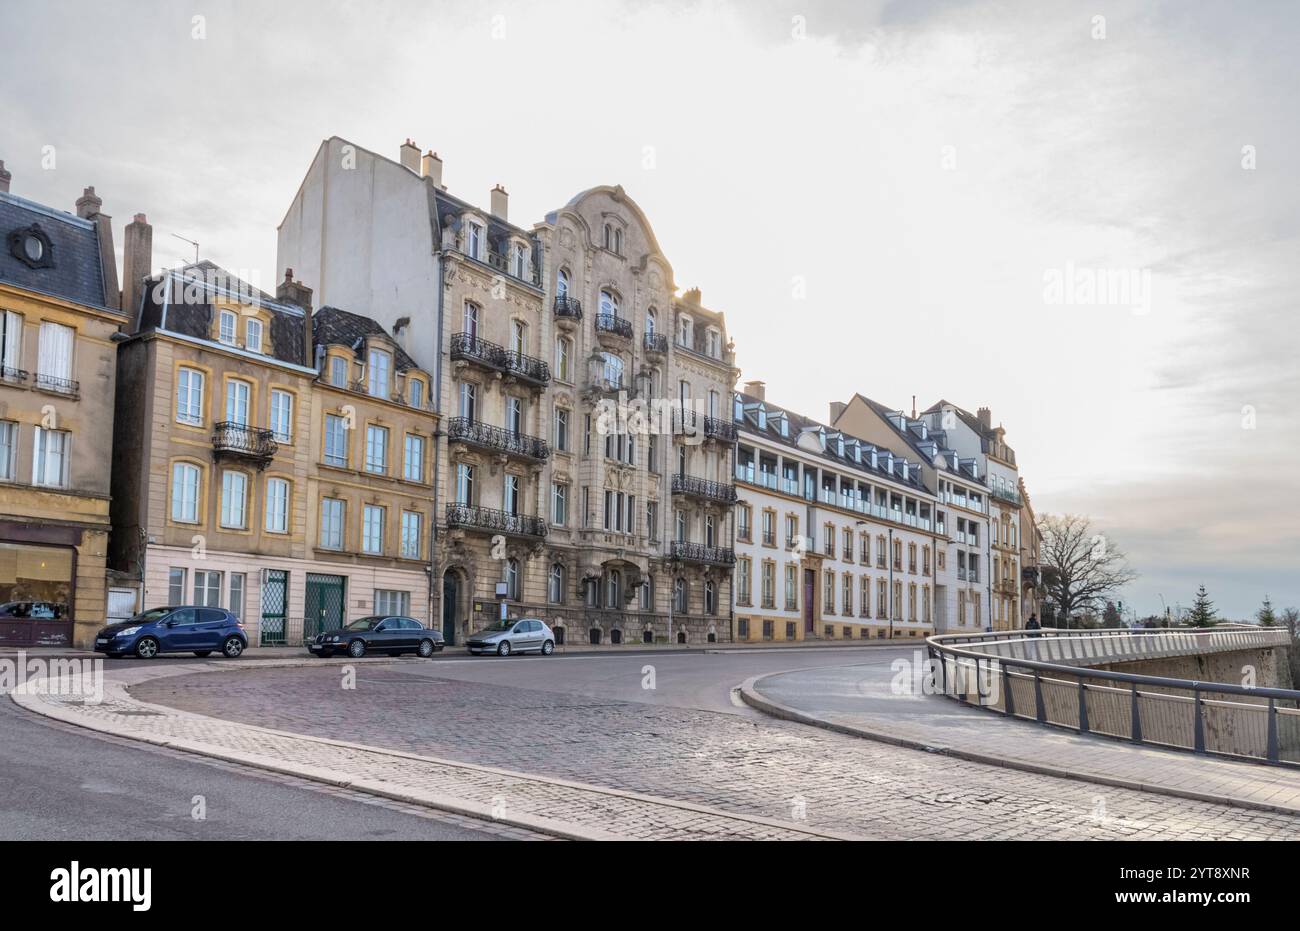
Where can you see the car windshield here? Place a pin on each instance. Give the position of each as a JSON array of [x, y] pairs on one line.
[[148, 617], [498, 627], [364, 623]]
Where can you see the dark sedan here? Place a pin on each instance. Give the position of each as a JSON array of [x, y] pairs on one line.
[[378, 633]]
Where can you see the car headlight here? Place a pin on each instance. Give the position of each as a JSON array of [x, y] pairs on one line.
[[128, 632], [334, 639]]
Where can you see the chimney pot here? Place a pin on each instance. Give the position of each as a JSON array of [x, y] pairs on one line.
[[410, 156], [500, 202], [88, 204], [431, 166], [756, 389]]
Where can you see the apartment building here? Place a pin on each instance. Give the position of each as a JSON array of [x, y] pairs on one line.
[[59, 314], [559, 488], [1031, 547], [836, 536], [268, 460]]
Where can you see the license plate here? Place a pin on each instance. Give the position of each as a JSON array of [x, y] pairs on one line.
[[102, 640]]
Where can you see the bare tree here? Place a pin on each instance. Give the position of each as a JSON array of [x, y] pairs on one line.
[[1081, 566]]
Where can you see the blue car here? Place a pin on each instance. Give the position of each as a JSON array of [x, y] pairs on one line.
[[181, 629]]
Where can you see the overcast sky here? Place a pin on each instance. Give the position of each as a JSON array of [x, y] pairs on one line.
[[882, 197]]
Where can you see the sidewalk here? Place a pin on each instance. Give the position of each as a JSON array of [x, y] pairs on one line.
[[858, 700], [557, 807]]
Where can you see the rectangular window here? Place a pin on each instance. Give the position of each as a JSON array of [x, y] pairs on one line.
[[378, 368], [54, 363], [8, 450], [11, 343], [561, 430], [189, 397], [336, 440], [234, 499], [227, 326], [413, 458], [207, 588], [376, 449], [769, 585], [176, 586], [237, 584], [372, 529], [415, 392], [391, 602], [331, 524], [559, 504], [185, 493], [237, 394], [412, 531], [828, 593], [281, 415], [743, 515], [848, 594], [791, 589], [338, 371], [50, 457], [253, 338], [742, 581], [277, 505]]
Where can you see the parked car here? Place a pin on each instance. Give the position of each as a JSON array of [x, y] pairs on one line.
[[177, 629], [379, 633], [520, 636]]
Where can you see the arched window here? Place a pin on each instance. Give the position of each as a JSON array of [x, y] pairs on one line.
[[612, 368], [562, 284], [556, 587], [563, 349], [650, 322], [512, 579], [609, 303], [613, 589], [618, 241], [609, 236]]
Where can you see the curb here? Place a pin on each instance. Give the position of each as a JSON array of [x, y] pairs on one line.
[[750, 695]]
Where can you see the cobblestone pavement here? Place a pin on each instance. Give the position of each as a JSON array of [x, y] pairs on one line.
[[734, 762]]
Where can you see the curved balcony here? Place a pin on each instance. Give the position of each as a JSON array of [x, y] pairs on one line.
[[655, 344], [527, 368], [695, 487], [716, 428], [699, 553], [497, 439], [491, 520], [568, 312], [466, 347], [240, 441], [613, 332]]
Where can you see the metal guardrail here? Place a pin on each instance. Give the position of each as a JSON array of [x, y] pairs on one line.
[[1047, 678]]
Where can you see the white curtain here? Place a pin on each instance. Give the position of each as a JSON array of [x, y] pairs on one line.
[[55, 358]]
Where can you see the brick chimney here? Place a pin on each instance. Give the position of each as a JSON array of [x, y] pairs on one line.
[[88, 208], [88, 203], [500, 202], [298, 294], [986, 418], [692, 296], [5, 177], [137, 260], [431, 167], [756, 389], [410, 156]]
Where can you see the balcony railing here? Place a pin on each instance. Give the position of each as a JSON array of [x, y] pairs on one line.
[[698, 552], [236, 439], [466, 346], [609, 323], [718, 429], [703, 488], [569, 307], [11, 374], [655, 342], [487, 436], [490, 519], [60, 385], [1006, 494]]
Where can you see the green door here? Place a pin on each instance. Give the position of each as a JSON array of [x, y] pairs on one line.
[[324, 604], [275, 603]]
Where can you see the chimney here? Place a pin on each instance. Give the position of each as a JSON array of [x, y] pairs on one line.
[[500, 202], [137, 260], [5, 176], [837, 408], [913, 407], [692, 296], [986, 418], [410, 156], [298, 294], [431, 167], [756, 389], [88, 204]]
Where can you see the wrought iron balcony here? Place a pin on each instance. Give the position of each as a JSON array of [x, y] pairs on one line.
[[56, 384], [613, 325], [472, 517], [487, 436], [716, 428], [526, 367], [469, 348], [241, 441], [698, 552], [11, 374], [656, 343], [702, 488], [568, 307]]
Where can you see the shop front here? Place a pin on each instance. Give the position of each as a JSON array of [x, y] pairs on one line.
[[36, 594]]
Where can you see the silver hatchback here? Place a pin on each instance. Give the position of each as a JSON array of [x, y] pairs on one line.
[[525, 635]]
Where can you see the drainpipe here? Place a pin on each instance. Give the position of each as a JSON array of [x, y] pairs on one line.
[[435, 578], [891, 583]]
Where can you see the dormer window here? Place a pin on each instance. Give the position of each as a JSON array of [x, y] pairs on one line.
[[519, 258], [227, 327], [338, 371], [713, 343], [474, 240], [685, 331], [379, 365], [415, 392], [253, 336]]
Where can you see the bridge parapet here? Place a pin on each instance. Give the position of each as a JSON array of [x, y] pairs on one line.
[[1103, 647]]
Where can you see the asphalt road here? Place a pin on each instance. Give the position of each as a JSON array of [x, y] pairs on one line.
[[64, 783]]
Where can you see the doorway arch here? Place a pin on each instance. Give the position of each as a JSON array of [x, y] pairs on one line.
[[452, 589]]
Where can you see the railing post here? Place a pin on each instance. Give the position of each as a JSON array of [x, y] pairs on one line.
[[1137, 716], [1039, 710], [1008, 703], [1198, 737], [943, 670], [1272, 731], [1083, 707]]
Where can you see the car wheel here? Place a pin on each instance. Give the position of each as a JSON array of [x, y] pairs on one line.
[[426, 648], [503, 648], [202, 652], [146, 648], [232, 647], [548, 648], [357, 649]]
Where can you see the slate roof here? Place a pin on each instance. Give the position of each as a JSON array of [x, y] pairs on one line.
[[76, 274], [336, 327], [798, 424], [922, 440]]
